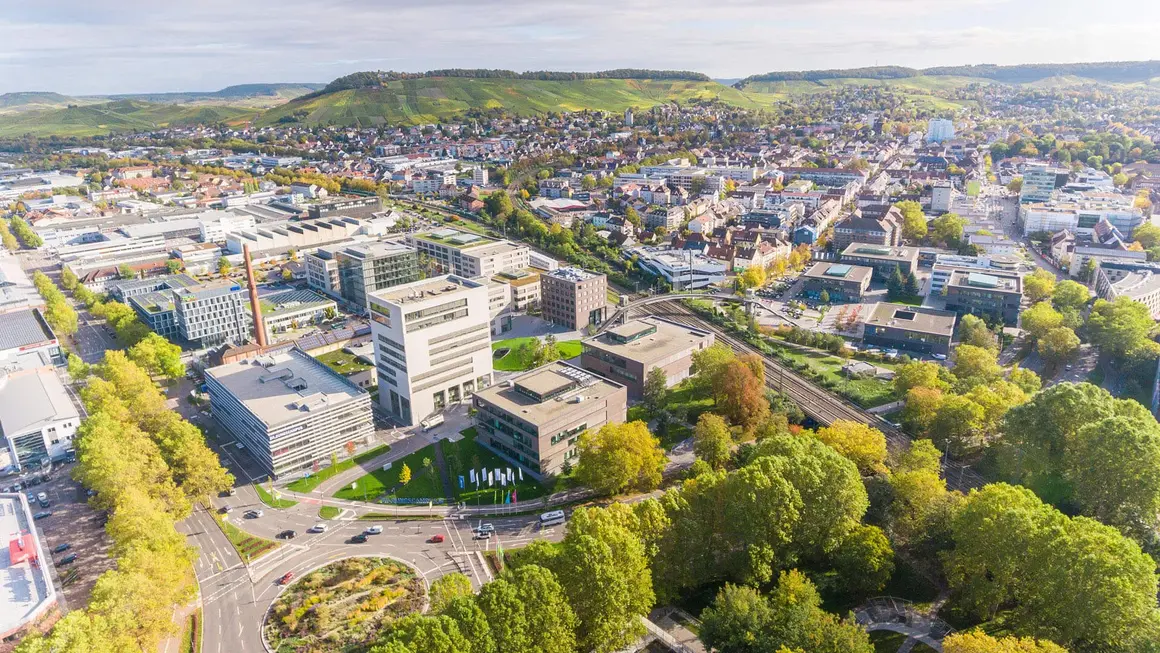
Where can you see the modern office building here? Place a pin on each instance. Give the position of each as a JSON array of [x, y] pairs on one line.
[[17, 293], [432, 345], [213, 313], [536, 419], [346, 205], [26, 340], [322, 271], [1039, 182], [841, 282], [682, 269], [882, 258], [985, 295], [1139, 282], [363, 269], [628, 353], [293, 309], [911, 328], [946, 264], [573, 297], [469, 255], [37, 418], [526, 288], [29, 594], [1080, 216], [289, 410]]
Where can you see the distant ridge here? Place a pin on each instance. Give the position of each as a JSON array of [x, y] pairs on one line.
[[1107, 71]]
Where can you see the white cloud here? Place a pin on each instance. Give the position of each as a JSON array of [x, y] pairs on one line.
[[135, 46]]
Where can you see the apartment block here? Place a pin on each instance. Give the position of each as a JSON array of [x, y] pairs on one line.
[[291, 411], [536, 419], [432, 345], [629, 352], [986, 295], [213, 313], [363, 269], [573, 297], [469, 255]]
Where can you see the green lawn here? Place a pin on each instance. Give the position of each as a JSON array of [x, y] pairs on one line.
[[309, 483], [423, 485], [329, 512], [342, 362], [462, 456], [867, 393], [886, 641], [513, 362], [269, 500]]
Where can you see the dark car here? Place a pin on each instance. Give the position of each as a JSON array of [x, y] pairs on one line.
[[61, 548], [361, 538], [287, 535], [68, 559], [42, 515]]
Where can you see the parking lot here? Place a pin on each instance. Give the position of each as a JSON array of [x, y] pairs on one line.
[[74, 523]]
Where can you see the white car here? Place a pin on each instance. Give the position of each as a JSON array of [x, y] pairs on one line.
[[374, 530], [318, 528]]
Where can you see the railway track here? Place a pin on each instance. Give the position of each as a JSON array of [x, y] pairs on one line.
[[820, 404]]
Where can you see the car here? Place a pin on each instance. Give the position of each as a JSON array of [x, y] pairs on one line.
[[288, 534], [1067, 367], [286, 578], [231, 492], [42, 515], [360, 538], [436, 539], [939, 357], [226, 509], [68, 559], [254, 514], [44, 503], [318, 528], [61, 548], [31, 497], [374, 530]]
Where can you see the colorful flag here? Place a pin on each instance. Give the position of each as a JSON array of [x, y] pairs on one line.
[[513, 495], [503, 480], [507, 498], [461, 481], [511, 476], [490, 479]]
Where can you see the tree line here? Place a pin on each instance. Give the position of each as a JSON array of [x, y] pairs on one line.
[[371, 79], [148, 466], [1110, 71]]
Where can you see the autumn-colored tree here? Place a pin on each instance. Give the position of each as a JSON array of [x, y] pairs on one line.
[[405, 475], [862, 444], [741, 396]]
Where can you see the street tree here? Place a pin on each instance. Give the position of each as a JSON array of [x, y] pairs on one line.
[[975, 366], [1113, 466], [920, 374], [1070, 294], [1038, 285], [1041, 318], [1119, 326], [620, 458], [1058, 345], [973, 331]]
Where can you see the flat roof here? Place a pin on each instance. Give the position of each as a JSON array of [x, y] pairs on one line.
[[33, 400], [22, 328], [424, 289], [571, 274], [284, 387], [153, 302], [561, 382], [454, 238], [913, 318], [26, 590], [292, 301], [489, 248], [831, 271], [669, 339], [373, 250], [991, 281], [884, 252]]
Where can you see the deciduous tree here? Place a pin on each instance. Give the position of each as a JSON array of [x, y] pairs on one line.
[[712, 441], [865, 446], [1058, 345], [1041, 318], [1038, 285], [619, 458]]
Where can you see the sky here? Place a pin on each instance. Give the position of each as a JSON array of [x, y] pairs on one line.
[[80, 47]]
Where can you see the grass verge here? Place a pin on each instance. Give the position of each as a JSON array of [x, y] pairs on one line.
[[269, 500], [249, 548], [310, 483], [329, 512], [191, 634]]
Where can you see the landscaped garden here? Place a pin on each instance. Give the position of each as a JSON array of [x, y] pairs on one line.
[[516, 354], [343, 606], [466, 454], [342, 362], [424, 483], [249, 548], [309, 483]]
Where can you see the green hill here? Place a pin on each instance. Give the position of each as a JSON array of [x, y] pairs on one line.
[[431, 99], [118, 116], [1105, 72], [238, 93]]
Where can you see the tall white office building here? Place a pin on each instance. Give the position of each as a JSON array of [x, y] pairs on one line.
[[939, 130], [432, 345]]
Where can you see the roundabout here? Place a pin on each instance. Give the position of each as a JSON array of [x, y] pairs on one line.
[[342, 605]]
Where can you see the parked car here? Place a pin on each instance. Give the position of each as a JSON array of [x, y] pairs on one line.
[[44, 503], [61, 548], [68, 559], [374, 530], [42, 515], [286, 578], [287, 534]]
